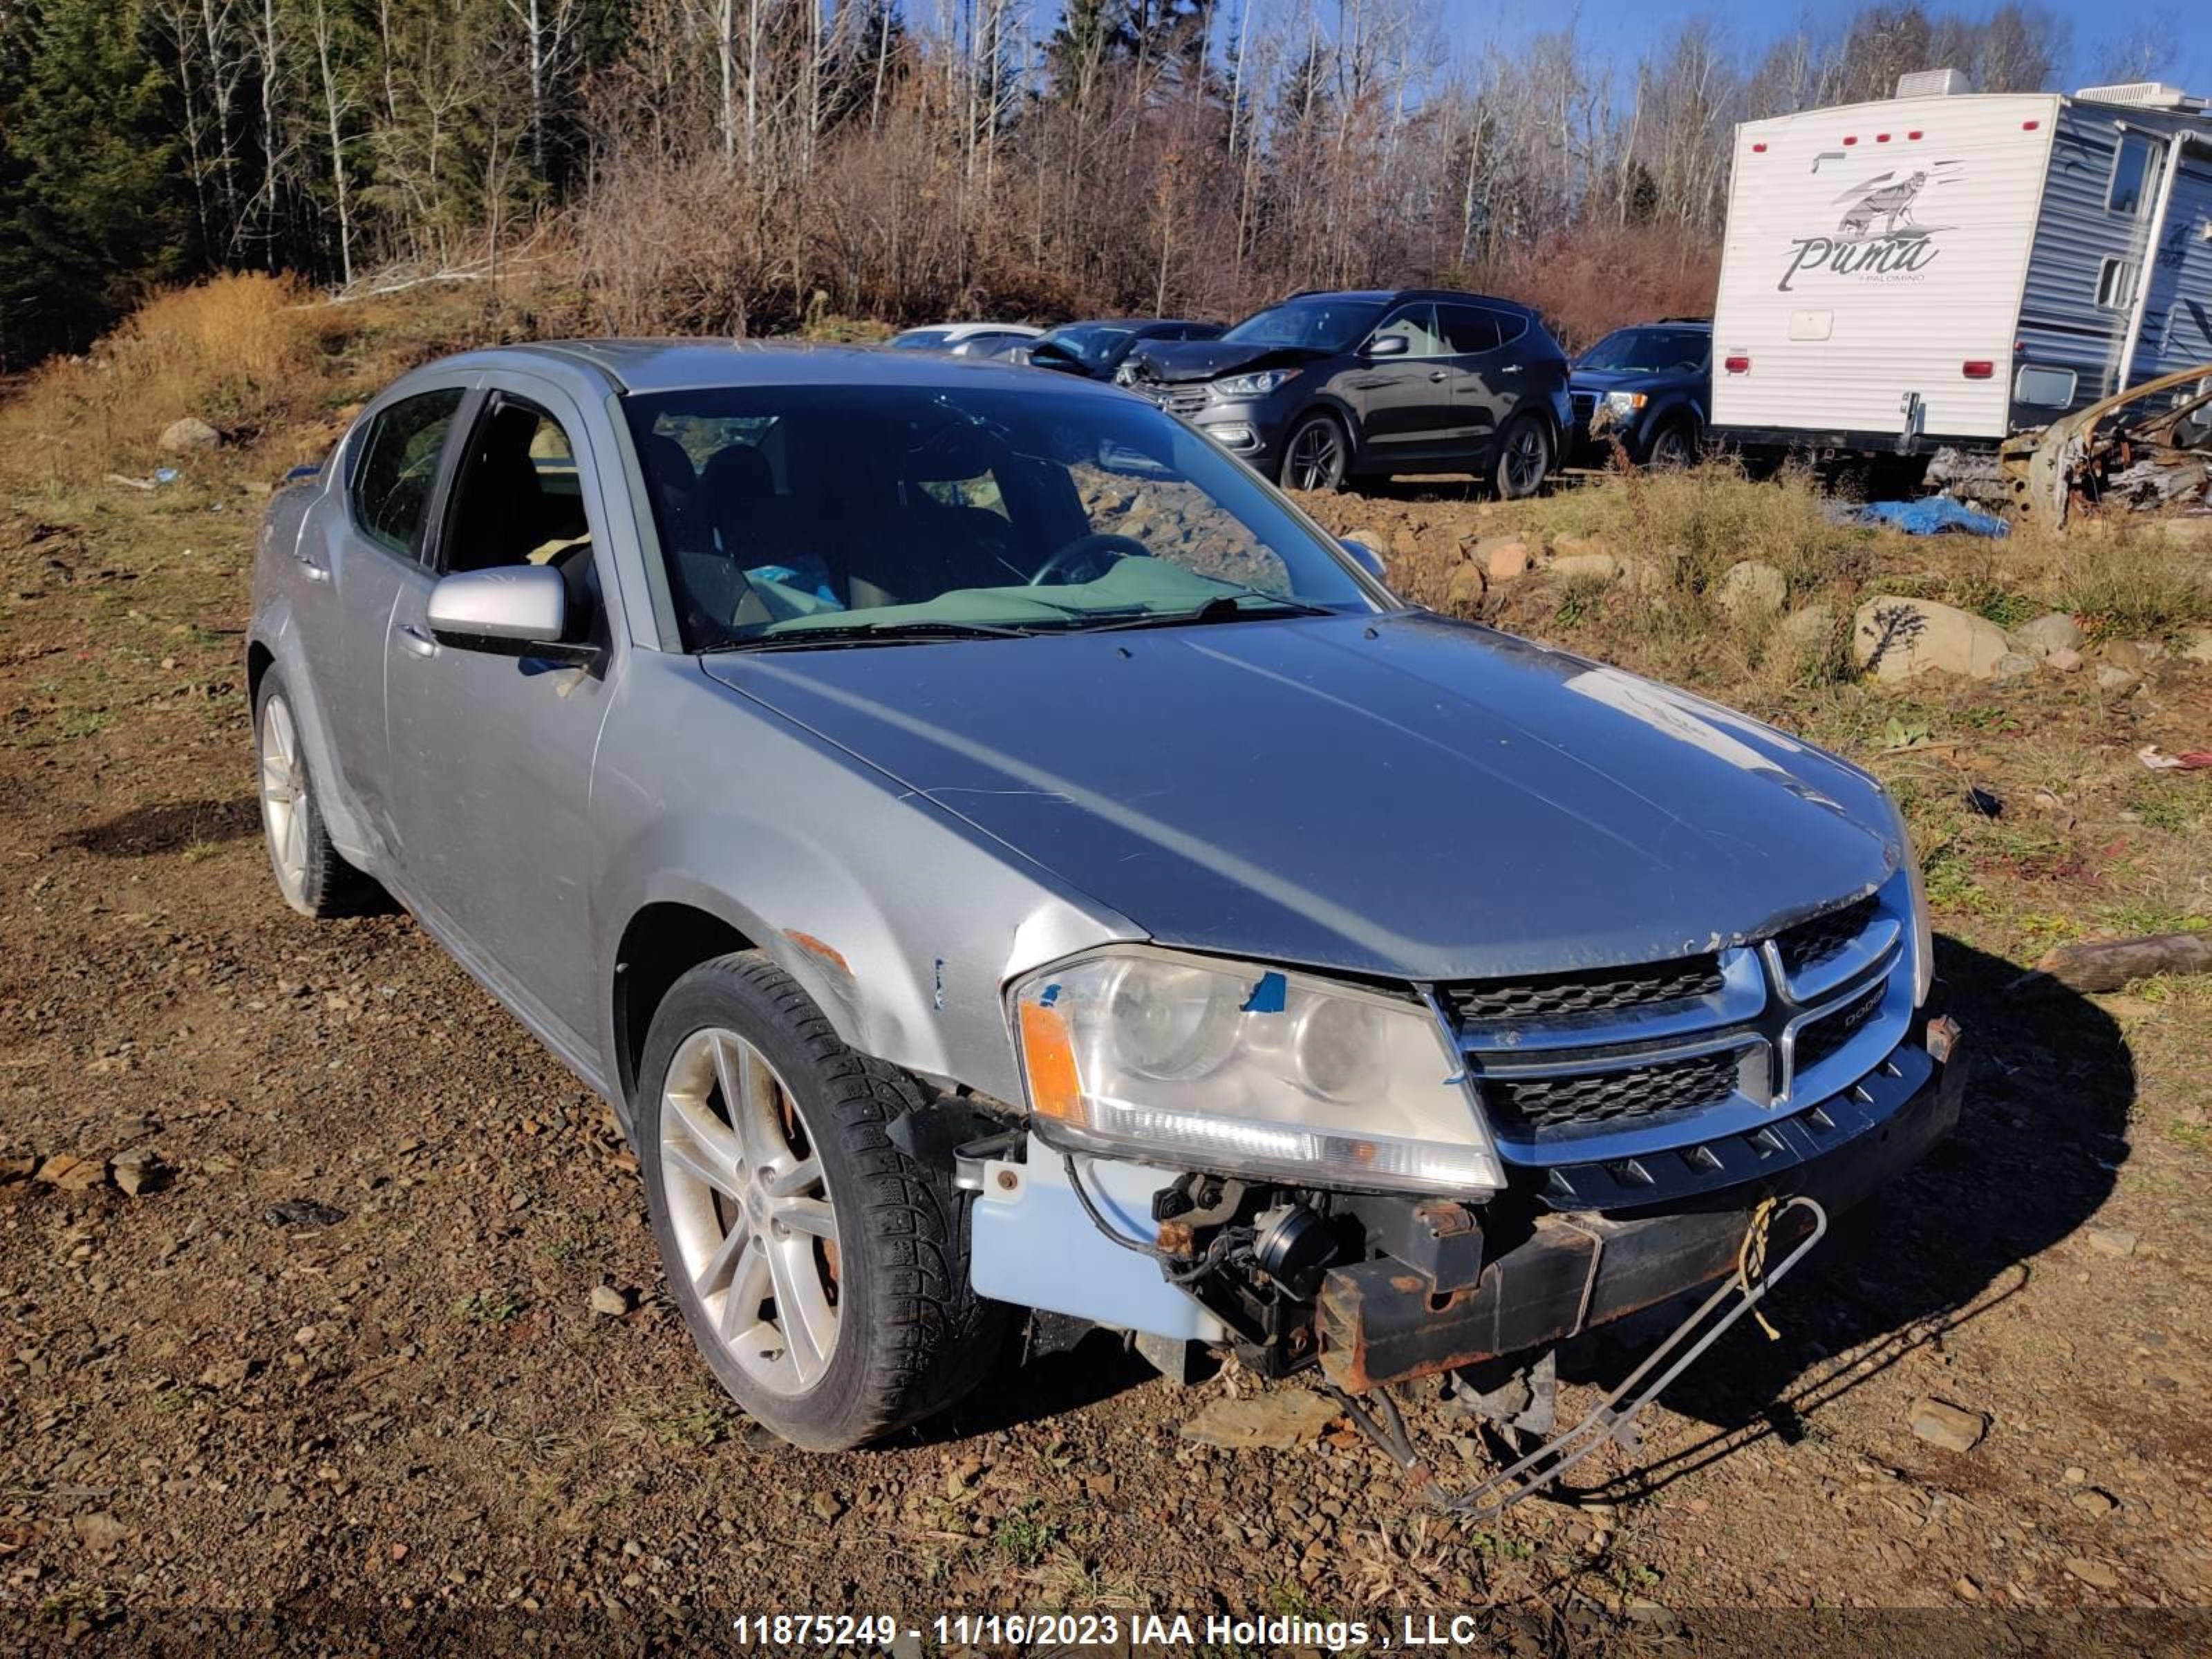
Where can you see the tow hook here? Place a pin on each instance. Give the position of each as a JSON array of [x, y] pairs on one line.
[[1613, 1418]]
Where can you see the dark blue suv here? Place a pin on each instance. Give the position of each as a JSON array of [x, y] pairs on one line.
[[1649, 384]]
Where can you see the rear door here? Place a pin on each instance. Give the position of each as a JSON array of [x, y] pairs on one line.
[[1405, 402], [360, 556], [1487, 377]]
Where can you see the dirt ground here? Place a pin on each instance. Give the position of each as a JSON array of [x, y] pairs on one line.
[[414, 1412]]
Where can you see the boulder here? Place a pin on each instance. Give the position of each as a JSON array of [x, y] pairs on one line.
[[1751, 590], [2066, 662], [2055, 632], [2111, 676], [1466, 587], [1897, 640], [192, 433], [2014, 666], [1503, 558], [1647, 578], [1586, 566], [2124, 654], [2197, 646]]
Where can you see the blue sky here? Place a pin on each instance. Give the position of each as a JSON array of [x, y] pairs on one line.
[[2180, 29]]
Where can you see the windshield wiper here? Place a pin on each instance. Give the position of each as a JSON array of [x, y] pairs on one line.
[[1223, 608], [904, 632]]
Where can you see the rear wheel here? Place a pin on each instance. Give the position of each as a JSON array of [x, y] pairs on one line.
[[822, 1270], [1523, 460], [1317, 455], [315, 878]]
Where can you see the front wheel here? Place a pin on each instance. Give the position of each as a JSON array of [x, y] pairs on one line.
[[1317, 455], [821, 1270], [1523, 460], [1674, 446]]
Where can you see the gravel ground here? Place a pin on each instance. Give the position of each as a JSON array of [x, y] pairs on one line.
[[404, 1405]]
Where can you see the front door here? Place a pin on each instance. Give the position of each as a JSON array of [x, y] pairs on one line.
[[1404, 400], [491, 755]]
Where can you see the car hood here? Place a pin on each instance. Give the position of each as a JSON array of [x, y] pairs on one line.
[[1208, 360], [1602, 381], [1403, 796]]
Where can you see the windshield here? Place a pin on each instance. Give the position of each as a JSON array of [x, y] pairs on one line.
[[1319, 324], [859, 512], [1650, 350], [1095, 343], [921, 339]]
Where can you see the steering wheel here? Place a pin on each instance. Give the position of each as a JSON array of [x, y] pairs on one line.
[[1099, 541]]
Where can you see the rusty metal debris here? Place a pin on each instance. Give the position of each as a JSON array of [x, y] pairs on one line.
[[2159, 460]]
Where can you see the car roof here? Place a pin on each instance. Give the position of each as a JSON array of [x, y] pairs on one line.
[[963, 330], [1396, 294], [682, 365]]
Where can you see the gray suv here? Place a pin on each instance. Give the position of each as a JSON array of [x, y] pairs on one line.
[[1000, 860], [1328, 387]]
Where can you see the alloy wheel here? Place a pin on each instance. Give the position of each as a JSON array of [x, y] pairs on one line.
[[285, 804], [1316, 458], [1524, 459], [750, 1208]]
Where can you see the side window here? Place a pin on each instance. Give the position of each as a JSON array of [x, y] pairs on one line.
[[398, 468], [1417, 324], [2115, 284], [1511, 327], [2135, 176], [1469, 329], [518, 497]]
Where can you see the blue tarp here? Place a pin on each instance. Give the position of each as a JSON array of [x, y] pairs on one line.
[[1933, 515]]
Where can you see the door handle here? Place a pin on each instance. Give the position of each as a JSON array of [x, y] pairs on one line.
[[1509, 369], [1436, 374], [416, 641], [314, 572]]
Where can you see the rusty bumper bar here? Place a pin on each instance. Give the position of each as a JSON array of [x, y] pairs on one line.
[[1381, 1321]]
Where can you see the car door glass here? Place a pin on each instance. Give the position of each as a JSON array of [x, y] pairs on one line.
[[519, 499], [398, 469], [1417, 326], [1469, 330]]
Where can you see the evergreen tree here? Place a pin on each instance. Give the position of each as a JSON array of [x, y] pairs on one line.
[[89, 207]]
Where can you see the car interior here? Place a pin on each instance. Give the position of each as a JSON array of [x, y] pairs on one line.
[[518, 499]]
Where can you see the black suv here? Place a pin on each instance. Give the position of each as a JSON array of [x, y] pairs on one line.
[[1325, 387], [1649, 385]]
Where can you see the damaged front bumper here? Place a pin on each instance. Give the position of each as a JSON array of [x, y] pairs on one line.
[[1384, 1320]]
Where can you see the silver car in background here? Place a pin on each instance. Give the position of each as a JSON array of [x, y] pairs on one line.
[[996, 855]]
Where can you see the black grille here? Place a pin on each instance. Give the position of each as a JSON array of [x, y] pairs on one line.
[[1826, 1039], [1588, 991], [1811, 943], [1175, 399], [1585, 405], [1555, 1105]]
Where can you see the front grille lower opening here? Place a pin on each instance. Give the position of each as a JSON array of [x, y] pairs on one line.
[[1823, 1039], [1636, 1096]]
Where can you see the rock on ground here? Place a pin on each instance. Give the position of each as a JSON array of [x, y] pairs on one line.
[[1280, 1419], [1751, 589], [2055, 632], [1504, 558], [1951, 1427], [1900, 639], [189, 433], [1586, 566]]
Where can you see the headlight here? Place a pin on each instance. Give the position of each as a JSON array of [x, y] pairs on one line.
[[1142, 1054], [1924, 936], [1253, 385], [1625, 403]]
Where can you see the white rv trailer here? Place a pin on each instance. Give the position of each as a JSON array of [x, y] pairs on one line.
[[1947, 268]]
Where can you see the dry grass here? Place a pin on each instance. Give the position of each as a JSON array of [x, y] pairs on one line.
[[240, 352]]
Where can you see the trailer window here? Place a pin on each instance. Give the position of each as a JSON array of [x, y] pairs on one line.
[[2135, 176], [2115, 284], [2042, 386]]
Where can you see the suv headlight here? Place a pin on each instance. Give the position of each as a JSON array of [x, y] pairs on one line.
[[1625, 403], [1253, 385], [1140, 1053]]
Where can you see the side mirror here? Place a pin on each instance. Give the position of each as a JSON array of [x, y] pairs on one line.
[[512, 609], [1365, 557], [1387, 345]]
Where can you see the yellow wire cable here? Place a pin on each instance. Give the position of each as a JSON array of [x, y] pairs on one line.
[[1751, 1260]]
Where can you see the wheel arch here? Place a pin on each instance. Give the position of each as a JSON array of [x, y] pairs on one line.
[[665, 940]]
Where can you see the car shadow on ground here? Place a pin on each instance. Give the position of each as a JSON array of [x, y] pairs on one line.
[[173, 826], [2040, 1138]]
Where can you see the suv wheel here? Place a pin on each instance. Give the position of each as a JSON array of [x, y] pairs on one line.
[[1675, 445], [822, 1270], [1523, 460], [1317, 455], [315, 880]]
